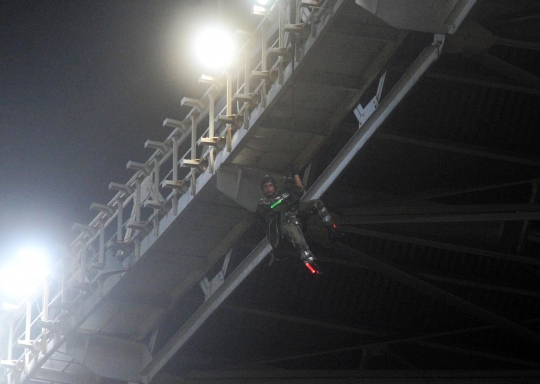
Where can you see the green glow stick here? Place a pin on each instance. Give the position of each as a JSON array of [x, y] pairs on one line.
[[283, 197]]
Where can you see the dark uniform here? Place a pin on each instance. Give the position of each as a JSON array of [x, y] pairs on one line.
[[282, 214]]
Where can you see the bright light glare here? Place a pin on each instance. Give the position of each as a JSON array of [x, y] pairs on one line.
[[25, 272], [214, 47], [262, 2]]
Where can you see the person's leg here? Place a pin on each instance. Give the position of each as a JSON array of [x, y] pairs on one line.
[[293, 234], [316, 206]]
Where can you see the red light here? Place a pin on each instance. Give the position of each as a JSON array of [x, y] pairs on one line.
[[311, 269], [334, 226]]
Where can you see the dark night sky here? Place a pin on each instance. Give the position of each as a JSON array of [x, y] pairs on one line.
[[83, 84]]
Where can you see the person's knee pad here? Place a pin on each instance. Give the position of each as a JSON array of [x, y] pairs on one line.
[[324, 215], [307, 256]]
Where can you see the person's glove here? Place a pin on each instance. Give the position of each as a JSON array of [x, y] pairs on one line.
[[294, 171]]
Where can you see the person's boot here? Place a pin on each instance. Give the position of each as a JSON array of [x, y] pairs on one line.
[[310, 262], [333, 233]]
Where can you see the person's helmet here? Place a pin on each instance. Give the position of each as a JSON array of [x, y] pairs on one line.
[[268, 179]]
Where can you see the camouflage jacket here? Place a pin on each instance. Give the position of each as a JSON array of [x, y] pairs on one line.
[[272, 211]]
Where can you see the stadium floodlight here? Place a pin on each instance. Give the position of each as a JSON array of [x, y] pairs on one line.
[[24, 273], [214, 47]]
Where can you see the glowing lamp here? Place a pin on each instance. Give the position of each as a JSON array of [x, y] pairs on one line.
[[214, 47], [24, 273]]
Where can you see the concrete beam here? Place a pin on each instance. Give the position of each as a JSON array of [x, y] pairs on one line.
[[414, 282], [439, 214], [442, 245], [108, 357], [353, 377], [61, 377], [462, 149]]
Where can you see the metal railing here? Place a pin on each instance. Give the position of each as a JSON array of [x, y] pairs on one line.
[[31, 331]]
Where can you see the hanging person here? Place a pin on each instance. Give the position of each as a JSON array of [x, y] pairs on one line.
[[283, 214]]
